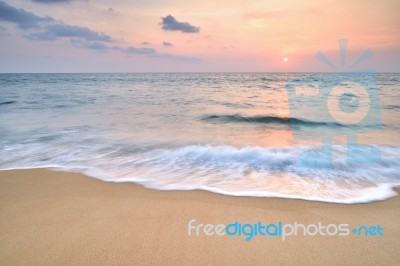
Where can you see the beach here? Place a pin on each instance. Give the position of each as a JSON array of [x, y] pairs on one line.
[[52, 217], [208, 133]]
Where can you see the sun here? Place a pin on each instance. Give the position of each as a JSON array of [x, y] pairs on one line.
[[285, 60]]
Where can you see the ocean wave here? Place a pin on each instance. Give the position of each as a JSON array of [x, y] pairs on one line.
[[165, 131], [237, 171], [8, 102], [238, 118], [392, 107]]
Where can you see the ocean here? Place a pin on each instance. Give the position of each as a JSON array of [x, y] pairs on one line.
[[239, 134]]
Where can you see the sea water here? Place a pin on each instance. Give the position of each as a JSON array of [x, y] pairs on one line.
[[229, 133]]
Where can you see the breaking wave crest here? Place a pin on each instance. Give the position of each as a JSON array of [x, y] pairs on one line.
[[246, 171]]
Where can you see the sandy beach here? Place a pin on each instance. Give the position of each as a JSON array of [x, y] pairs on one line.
[[199, 132], [58, 218]]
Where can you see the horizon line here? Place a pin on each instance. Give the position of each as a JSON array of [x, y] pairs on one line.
[[207, 72]]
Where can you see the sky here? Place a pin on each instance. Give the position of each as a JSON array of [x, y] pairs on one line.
[[198, 36]]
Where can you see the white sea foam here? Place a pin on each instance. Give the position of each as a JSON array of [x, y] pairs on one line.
[[246, 171]]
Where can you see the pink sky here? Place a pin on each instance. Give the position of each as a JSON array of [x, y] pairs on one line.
[[233, 35]]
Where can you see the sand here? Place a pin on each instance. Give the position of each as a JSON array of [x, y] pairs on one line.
[[58, 218]]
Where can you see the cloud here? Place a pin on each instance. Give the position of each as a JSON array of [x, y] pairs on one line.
[[60, 30], [130, 50], [134, 50], [52, 1], [48, 29], [52, 29], [169, 23], [23, 19], [98, 46], [179, 58], [167, 44]]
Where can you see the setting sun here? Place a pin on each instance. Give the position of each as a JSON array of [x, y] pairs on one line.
[[285, 59]]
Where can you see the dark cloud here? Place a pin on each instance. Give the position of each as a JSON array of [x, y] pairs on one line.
[[60, 30], [48, 29], [171, 24], [167, 44], [23, 19], [52, 29], [52, 1]]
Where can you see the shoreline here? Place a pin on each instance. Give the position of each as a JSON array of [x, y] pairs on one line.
[[51, 217]]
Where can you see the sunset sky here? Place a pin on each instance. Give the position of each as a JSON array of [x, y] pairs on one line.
[[188, 35]]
